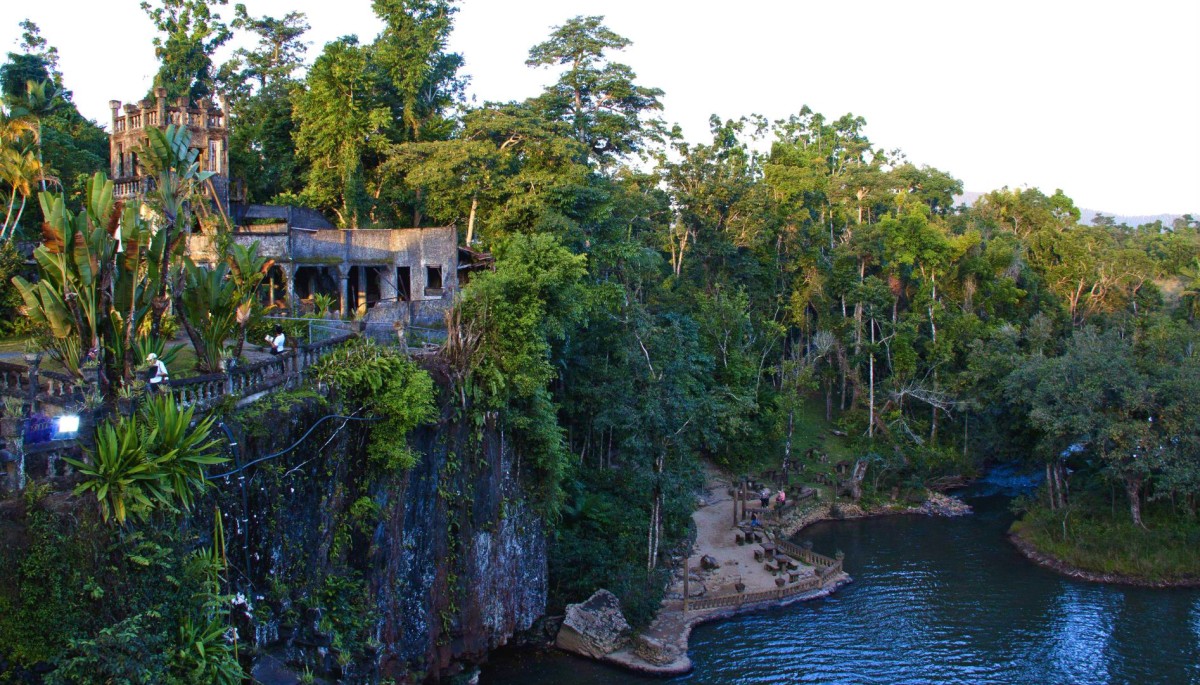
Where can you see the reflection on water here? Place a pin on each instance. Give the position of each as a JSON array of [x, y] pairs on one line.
[[934, 601]]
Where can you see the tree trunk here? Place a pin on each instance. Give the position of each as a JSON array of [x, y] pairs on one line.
[[471, 219], [655, 527], [871, 392], [787, 446], [856, 479], [1133, 488]]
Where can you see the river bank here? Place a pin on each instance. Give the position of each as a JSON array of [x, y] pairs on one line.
[[1048, 561], [935, 504]]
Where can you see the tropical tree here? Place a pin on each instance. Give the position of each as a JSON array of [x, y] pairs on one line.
[[190, 31], [247, 270], [598, 98], [340, 119]]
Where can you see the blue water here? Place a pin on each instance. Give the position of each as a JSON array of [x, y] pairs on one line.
[[934, 601]]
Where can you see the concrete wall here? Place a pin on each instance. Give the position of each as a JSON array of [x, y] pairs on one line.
[[419, 249]]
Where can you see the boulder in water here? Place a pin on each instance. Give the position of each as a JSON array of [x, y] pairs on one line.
[[595, 628]]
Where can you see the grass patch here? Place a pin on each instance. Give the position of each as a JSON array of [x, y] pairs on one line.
[[14, 344], [1100, 541]]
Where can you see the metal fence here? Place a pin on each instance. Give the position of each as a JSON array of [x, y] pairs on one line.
[[383, 332]]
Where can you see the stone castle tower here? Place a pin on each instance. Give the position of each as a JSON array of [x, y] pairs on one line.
[[205, 120]]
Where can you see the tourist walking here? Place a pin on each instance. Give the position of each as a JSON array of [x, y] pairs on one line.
[[764, 498], [780, 499]]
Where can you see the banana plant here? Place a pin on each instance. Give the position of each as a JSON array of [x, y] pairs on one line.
[[72, 295], [167, 156], [99, 271], [248, 271]]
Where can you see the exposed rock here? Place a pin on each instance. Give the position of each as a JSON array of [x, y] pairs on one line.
[[594, 628], [709, 563], [654, 651], [944, 505]]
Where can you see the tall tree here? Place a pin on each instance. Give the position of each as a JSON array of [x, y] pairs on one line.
[[259, 83], [339, 119], [190, 31], [280, 50], [600, 99], [420, 75]]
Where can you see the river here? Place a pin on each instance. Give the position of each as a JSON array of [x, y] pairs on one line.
[[934, 601]]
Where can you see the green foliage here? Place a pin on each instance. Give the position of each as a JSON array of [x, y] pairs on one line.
[[155, 460], [1093, 538], [191, 31], [389, 387], [599, 99], [129, 651], [11, 265], [505, 324], [40, 603], [210, 308], [1119, 404], [119, 475]]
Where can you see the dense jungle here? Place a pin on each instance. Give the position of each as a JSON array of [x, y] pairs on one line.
[[785, 291]]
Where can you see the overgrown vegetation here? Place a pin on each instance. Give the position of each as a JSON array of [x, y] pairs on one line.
[[387, 386], [106, 604]]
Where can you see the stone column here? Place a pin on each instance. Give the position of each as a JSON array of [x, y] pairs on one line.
[[289, 273], [344, 299], [362, 289], [160, 98], [388, 287]]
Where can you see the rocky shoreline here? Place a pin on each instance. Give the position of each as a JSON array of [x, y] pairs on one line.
[[661, 649], [1032, 553], [634, 658], [936, 504]]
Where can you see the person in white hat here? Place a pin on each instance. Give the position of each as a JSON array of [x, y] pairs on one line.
[[159, 377]]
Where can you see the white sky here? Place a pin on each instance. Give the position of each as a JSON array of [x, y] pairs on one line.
[[1099, 98]]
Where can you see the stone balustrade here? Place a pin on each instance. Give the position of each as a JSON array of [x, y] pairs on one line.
[[61, 389], [802, 585]]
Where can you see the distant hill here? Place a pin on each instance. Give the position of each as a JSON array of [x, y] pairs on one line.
[[1088, 215]]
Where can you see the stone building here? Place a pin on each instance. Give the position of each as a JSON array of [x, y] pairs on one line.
[[408, 274], [205, 121]]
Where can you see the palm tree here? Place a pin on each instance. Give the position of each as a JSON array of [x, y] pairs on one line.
[[19, 170], [41, 100]]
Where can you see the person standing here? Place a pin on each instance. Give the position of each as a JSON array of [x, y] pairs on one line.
[[780, 499], [158, 372], [764, 498], [277, 342]]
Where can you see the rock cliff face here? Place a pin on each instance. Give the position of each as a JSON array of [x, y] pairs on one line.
[[367, 575]]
